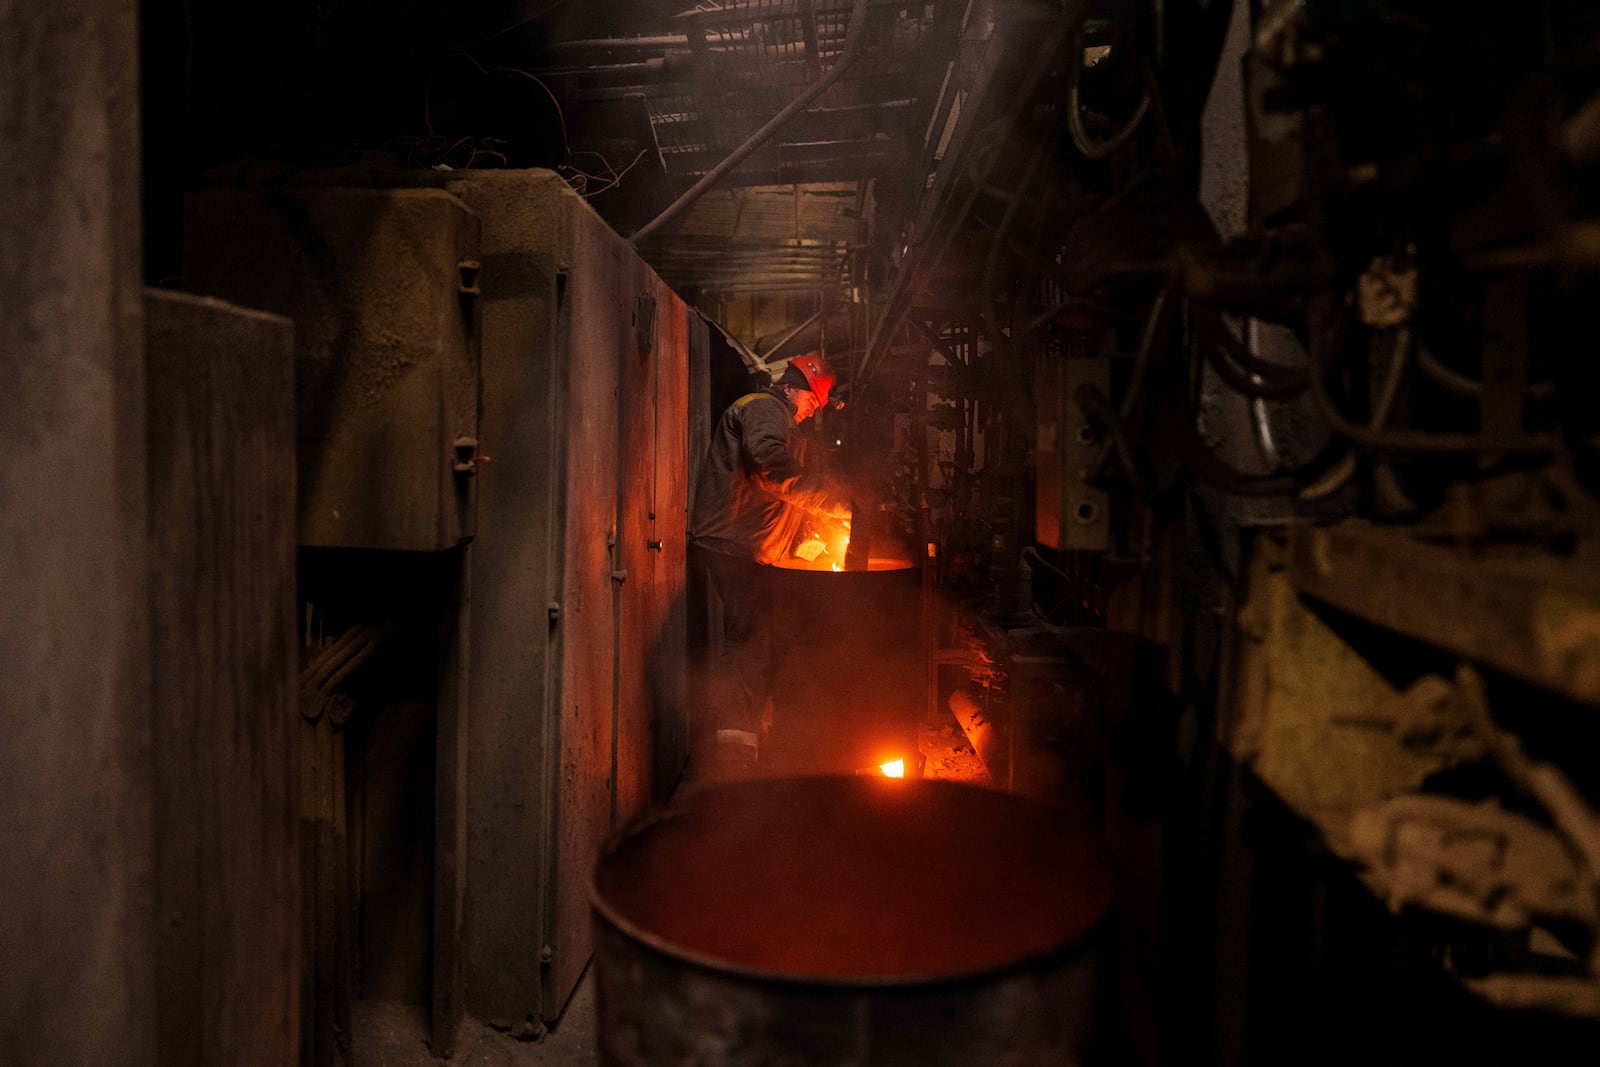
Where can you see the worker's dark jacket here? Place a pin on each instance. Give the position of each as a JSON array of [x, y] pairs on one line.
[[753, 493]]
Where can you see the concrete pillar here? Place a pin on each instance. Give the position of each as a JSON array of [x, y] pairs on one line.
[[77, 985]]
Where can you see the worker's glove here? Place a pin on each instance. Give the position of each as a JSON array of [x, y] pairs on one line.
[[812, 547]]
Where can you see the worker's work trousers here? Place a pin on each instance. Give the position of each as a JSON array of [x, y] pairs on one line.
[[739, 681]]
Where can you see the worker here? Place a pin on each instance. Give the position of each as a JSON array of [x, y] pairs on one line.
[[753, 501]]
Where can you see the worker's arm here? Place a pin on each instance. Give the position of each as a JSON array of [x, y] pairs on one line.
[[774, 468]]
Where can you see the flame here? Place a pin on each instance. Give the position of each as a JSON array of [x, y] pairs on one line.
[[836, 566], [893, 769]]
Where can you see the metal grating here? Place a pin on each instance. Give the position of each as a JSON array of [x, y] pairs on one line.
[[789, 216]]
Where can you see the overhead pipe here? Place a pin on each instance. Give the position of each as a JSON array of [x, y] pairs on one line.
[[790, 336], [854, 33]]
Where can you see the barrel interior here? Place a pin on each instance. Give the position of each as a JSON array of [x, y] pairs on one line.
[[853, 878]]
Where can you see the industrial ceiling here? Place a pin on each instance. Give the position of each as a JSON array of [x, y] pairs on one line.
[[634, 104]]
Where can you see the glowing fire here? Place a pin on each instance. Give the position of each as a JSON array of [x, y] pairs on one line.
[[836, 566], [893, 769]]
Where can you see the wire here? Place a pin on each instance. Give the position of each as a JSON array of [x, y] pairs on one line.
[[1147, 344], [1325, 328], [1345, 469], [1452, 382], [1080, 135], [561, 118], [1252, 384], [1211, 323], [612, 179]]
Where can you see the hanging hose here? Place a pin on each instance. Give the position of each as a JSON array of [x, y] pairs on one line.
[[1081, 139], [1325, 335]]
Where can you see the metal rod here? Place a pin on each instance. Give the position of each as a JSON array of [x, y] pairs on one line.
[[790, 336], [852, 48]]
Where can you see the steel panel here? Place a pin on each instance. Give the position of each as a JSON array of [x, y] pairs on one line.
[[596, 295], [516, 604], [652, 548]]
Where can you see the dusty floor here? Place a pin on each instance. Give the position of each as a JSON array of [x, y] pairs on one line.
[[395, 1035]]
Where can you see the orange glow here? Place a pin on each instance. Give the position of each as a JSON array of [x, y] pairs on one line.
[[836, 567], [893, 769]]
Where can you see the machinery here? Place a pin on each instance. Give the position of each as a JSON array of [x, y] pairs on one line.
[[1257, 446]]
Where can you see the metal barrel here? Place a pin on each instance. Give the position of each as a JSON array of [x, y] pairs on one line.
[[849, 683], [834, 920]]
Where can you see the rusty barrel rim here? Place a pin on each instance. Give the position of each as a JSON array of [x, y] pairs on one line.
[[1060, 952]]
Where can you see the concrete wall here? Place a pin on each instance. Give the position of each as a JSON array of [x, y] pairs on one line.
[[78, 985]]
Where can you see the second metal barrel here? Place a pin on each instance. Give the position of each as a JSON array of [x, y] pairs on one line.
[[850, 920]]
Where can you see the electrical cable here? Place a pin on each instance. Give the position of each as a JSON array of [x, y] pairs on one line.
[[1251, 384], [1345, 469], [1211, 324], [1325, 328], [1099, 410], [1461, 385], [1081, 138], [1147, 343], [373, 638]]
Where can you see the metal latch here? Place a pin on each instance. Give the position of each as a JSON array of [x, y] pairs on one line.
[[467, 459]]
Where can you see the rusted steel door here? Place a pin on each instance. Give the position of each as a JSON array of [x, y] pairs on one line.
[[651, 547], [578, 649]]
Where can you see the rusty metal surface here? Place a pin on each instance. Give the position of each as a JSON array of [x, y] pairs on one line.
[[1525, 612], [652, 548], [516, 583], [386, 360], [223, 650], [771, 921], [587, 707]]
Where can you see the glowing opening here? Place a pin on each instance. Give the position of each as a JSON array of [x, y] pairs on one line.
[[893, 769]]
